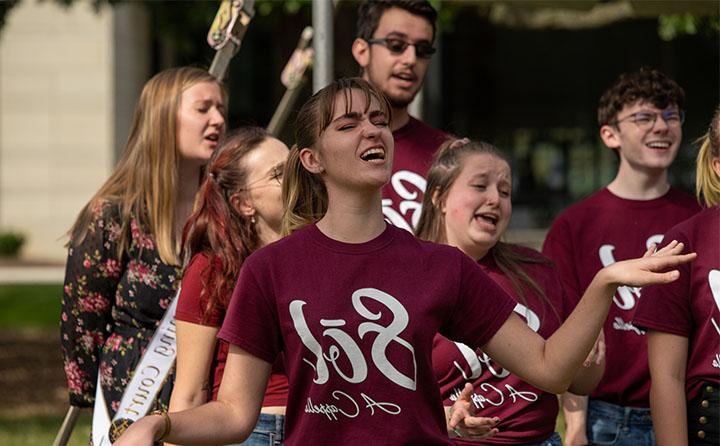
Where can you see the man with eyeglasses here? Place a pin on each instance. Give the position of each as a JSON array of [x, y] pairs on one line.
[[393, 47], [640, 119]]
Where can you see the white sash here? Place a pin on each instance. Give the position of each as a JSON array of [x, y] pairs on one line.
[[146, 382]]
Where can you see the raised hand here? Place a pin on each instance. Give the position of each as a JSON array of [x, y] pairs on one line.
[[463, 424], [649, 269]]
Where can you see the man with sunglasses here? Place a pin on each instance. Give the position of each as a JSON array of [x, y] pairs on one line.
[[393, 47], [640, 119]]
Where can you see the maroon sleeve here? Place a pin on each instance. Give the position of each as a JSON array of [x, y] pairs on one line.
[[191, 305], [559, 248], [667, 307], [482, 307], [251, 321]]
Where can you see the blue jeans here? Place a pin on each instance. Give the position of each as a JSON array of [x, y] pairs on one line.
[[269, 431], [553, 440], [609, 424]]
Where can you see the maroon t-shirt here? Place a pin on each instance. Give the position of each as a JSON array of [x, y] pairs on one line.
[[527, 414], [415, 145], [356, 322], [690, 306], [595, 233], [191, 307]]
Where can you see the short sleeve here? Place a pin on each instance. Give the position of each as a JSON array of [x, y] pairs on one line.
[[251, 321], [482, 307], [192, 300], [92, 274], [667, 307]]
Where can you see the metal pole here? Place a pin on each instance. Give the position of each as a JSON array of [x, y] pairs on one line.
[[68, 424], [322, 22]]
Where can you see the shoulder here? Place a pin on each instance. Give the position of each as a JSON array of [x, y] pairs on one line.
[[196, 265], [682, 199], [289, 245], [693, 229], [406, 240], [419, 130], [533, 262], [105, 209]]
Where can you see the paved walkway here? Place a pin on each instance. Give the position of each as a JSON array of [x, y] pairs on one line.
[[32, 274]]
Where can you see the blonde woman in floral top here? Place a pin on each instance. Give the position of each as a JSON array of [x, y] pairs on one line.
[[123, 263]]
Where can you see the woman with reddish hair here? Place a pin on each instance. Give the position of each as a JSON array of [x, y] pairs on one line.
[[238, 210]]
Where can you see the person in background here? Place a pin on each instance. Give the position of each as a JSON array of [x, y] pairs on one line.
[[238, 210], [123, 262], [640, 117], [468, 205], [393, 48], [683, 320]]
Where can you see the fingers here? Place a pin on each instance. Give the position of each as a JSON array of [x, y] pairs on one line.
[[651, 250], [480, 423], [659, 263], [672, 248], [466, 394], [462, 408], [662, 278]]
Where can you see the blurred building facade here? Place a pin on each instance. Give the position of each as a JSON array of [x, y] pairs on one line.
[[69, 77]]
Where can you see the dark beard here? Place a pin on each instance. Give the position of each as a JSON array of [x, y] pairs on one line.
[[397, 103]]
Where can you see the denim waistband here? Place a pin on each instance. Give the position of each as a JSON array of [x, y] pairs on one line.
[[270, 423], [626, 416]]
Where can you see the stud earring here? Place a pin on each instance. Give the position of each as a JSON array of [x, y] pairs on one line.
[[252, 219]]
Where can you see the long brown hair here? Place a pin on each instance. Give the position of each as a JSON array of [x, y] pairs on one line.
[[707, 182], [216, 228], [144, 182], [305, 198], [445, 169]]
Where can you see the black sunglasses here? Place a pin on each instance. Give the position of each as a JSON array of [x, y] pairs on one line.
[[423, 50]]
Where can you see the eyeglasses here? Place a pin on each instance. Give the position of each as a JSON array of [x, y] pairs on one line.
[[423, 49], [646, 120], [275, 176]]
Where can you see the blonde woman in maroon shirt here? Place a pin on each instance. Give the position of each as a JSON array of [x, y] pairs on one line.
[[683, 320]]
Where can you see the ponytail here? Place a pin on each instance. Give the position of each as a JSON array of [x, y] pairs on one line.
[[304, 195], [707, 181]]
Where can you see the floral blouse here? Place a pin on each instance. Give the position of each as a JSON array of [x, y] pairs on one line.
[[111, 307]]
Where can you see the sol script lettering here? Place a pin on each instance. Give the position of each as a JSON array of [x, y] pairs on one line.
[[346, 346]]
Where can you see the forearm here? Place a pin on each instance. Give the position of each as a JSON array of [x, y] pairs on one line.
[[216, 422], [669, 411], [587, 378], [551, 365], [568, 347], [575, 413], [185, 401]]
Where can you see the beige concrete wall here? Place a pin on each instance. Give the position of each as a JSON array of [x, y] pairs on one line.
[[56, 118]]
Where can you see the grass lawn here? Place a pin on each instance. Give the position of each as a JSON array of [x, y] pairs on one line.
[[41, 430], [30, 306]]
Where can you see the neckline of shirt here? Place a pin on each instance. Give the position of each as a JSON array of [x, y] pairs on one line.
[[379, 242]]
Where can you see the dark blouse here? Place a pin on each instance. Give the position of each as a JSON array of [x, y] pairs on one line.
[[111, 307]]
